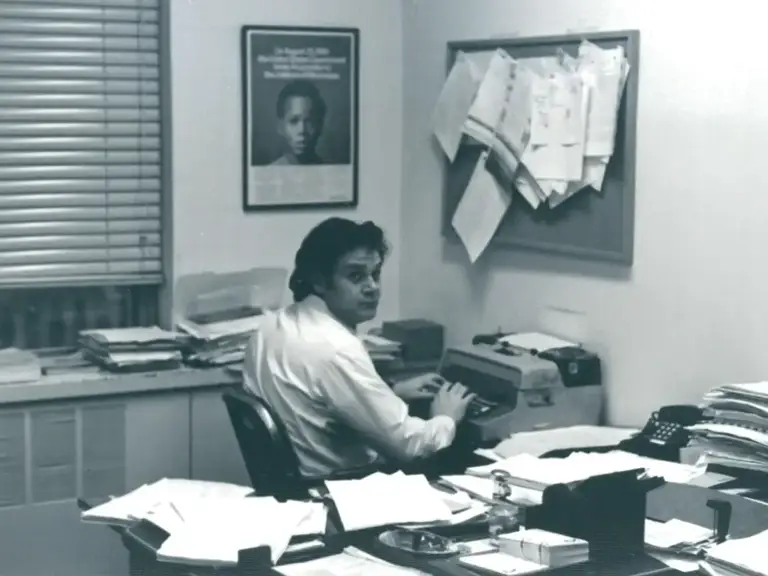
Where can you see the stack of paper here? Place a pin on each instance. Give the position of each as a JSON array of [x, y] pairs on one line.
[[216, 342], [213, 532], [674, 536], [739, 557], [209, 523], [547, 126], [737, 434], [219, 312], [19, 366], [544, 547], [500, 563], [131, 349], [387, 499], [382, 349]]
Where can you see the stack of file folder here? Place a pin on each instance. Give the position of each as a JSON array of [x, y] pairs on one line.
[[735, 433], [218, 340], [132, 349], [219, 312]]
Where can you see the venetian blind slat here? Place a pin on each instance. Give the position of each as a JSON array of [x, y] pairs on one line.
[[80, 142]]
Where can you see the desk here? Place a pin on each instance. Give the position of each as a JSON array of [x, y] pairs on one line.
[[666, 502]]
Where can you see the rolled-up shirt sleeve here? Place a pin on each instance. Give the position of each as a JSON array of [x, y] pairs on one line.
[[360, 398]]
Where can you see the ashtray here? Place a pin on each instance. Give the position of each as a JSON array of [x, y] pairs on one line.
[[419, 542]]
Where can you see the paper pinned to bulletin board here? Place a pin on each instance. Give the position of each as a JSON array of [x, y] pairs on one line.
[[548, 126]]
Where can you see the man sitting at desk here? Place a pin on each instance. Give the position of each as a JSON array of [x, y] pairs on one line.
[[307, 362]]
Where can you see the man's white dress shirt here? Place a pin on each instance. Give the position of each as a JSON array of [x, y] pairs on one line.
[[319, 379]]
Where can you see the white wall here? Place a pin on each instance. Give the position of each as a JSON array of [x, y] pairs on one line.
[[692, 312], [211, 232]]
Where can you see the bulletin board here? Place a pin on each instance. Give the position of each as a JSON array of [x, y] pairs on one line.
[[591, 225]]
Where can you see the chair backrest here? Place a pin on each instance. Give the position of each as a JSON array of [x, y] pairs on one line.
[[264, 444]]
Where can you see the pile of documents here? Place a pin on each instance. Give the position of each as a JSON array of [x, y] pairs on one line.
[[546, 127], [219, 312], [737, 434], [132, 349], [676, 543], [19, 366], [209, 523], [218, 342]]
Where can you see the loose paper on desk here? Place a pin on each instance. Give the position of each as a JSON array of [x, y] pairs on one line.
[[539, 442], [538, 473], [480, 211], [215, 531], [739, 556], [351, 562], [454, 104], [384, 499]]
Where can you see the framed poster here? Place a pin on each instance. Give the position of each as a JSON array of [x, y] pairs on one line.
[[300, 117]]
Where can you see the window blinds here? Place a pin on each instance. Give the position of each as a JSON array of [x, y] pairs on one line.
[[80, 142]]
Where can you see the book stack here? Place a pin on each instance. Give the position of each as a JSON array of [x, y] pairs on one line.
[[544, 547], [132, 349]]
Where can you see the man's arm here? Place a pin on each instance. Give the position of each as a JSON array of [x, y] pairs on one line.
[[359, 397]]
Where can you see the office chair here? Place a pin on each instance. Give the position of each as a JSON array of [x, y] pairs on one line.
[[269, 457]]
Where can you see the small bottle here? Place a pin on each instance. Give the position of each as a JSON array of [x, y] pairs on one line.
[[503, 517]]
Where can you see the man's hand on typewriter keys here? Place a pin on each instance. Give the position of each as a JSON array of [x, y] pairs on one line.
[[452, 400]]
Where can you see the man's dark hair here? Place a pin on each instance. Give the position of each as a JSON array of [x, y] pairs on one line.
[[325, 245], [301, 89]]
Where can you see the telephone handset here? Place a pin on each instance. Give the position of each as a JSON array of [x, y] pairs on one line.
[[665, 433]]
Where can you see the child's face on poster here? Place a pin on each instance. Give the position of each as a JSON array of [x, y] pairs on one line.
[[300, 126]]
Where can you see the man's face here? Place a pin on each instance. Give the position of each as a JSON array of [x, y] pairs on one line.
[[353, 293], [300, 126]]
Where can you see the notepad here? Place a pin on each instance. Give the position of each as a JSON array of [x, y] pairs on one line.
[[544, 547], [500, 563], [387, 499]]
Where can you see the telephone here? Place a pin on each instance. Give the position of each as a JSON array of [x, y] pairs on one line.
[[665, 433]]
